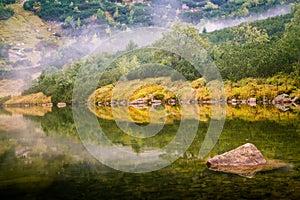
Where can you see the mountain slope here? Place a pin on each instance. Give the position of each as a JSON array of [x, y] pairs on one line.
[[27, 38]]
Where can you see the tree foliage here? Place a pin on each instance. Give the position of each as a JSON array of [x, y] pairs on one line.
[[99, 12], [273, 26], [5, 12], [251, 52], [291, 39]]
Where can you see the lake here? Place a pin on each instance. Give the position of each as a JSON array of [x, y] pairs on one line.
[[43, 157]]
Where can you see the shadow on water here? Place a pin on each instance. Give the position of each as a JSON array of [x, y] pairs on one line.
[[42, 157]]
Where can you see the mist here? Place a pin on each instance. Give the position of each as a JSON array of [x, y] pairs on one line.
[[212, 25], [82, 43]]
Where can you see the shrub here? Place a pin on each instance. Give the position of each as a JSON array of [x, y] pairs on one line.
[[5, 13]]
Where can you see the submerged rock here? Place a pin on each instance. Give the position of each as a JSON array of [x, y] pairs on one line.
[[250, 171], [245, 155], [245, 160]]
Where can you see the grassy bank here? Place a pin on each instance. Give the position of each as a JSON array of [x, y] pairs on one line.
[[164, 89], [264, 89], [261, 89], [38, 98]]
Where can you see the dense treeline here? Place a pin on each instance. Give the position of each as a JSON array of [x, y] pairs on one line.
[[117, 13], [58, 85], [251, 52], [273, 26], [120, 14], [77, 13]]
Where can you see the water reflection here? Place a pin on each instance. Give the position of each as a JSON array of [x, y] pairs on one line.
[[42, 156], [33, 111], [32, 153]]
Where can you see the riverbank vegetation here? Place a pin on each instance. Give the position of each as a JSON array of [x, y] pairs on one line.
[[263, 89], [259, 88], [34, 99]]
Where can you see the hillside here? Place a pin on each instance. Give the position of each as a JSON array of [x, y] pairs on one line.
[[273, 26], [122, 13], [252, 64], [28, 39], [196, 11], [259, 50], [27, 35]]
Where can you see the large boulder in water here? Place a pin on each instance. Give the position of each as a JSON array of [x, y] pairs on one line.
[[245, 160], [245, 155]]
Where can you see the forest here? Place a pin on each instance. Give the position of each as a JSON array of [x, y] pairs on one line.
[[253, 54], [101, 18], [120, 13], [78, 13]]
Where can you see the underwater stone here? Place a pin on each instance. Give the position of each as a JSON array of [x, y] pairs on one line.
[[245, 155]]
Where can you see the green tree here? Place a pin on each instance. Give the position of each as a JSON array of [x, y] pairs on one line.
[[248, 34], [116, 13], [69, 22], [78, 22], [5, 13], [291, 40], [130, 19], [250, 54], [101, 15], [131, 46], [123, 64], [134, 63], [182, 42], [182, 35]]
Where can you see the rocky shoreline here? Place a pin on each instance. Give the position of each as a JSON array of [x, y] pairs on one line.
[[283, 102]]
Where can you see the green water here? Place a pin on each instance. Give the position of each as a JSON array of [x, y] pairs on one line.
[[42, 157]]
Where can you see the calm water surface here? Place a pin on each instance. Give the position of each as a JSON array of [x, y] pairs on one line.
[[42, 157]]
